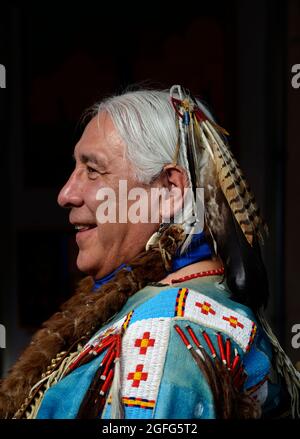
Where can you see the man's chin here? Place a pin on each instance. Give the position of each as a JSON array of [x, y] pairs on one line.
[[87, 266]]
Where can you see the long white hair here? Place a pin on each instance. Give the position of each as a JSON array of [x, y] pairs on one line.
[[145, 120]]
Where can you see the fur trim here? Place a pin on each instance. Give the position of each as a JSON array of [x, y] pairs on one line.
[[81, 316]]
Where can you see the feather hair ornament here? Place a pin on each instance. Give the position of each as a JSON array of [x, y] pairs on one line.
[[232, 218], [199, 132]]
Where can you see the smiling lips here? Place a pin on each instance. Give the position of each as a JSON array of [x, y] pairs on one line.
[[84, 227], [83, 231]]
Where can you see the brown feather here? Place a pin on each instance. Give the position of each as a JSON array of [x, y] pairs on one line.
[[235, 187]]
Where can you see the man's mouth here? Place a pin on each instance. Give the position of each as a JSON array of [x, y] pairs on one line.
[[84, 227]]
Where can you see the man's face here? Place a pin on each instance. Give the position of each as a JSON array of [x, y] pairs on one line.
[[100, 163]]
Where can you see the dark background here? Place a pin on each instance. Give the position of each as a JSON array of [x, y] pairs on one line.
[[236, 55]]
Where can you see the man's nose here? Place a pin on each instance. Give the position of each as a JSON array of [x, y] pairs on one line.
[[71, 194]]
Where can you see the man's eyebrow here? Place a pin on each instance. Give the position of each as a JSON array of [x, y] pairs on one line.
[[85, 158]]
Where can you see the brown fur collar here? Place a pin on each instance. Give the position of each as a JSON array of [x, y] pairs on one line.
[[82, 315]]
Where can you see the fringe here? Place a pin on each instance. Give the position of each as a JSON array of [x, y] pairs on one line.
[[117, 410], [45, 383], [284, 367], [81, 316]]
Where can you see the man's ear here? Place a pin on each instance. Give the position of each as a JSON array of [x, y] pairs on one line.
[[175, 175], [174, 180]]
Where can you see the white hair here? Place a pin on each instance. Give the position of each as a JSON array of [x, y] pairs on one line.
[[146, 122]]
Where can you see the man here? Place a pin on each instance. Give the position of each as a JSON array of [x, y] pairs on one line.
[[168, 323]]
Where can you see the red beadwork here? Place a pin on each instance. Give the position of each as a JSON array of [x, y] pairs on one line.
[[182, 335], [76, 362], [138, 375], [205, 308], [193, 335], [118, 346], [103, 345], [221, 347], [215, 272], [107, 382], [108, 353], [108, 363], [233, 322], [236, 370], [235, 362], [209, 344], [228, 352], [149, 343]]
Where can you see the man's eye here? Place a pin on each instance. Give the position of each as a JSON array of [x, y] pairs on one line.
[[92, 173]]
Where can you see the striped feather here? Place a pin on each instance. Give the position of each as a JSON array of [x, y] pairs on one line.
[[234, 186], [230, 212]]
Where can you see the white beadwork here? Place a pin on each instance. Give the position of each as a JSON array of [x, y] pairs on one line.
[[215, 320], [152, 361]]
